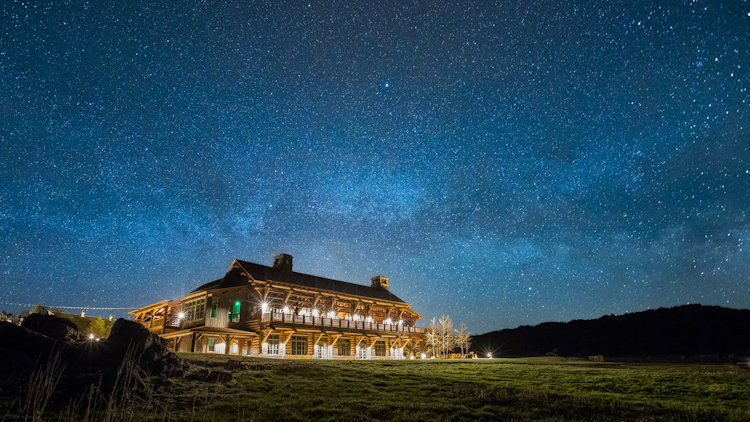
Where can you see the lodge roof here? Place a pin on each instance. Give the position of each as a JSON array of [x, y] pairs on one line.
[[235, 278]]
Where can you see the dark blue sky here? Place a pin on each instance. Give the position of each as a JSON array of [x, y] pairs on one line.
[[505, 163]]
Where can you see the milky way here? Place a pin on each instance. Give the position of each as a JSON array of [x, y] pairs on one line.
[[505, 163]]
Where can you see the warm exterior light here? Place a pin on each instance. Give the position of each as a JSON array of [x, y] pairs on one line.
[[181, 315], [401, 321], [489, 355], [331, 314], [314, 312], [388, 321], [264, 306], [368, 319], [423, 356], [91, 336], [286, 309]]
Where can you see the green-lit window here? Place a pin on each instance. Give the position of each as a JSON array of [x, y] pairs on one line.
[[214, 307], [343, 347], [211, 345], [299, 345], [379, 348], [234, 313]]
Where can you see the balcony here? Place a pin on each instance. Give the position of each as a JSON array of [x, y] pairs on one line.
[[337, 323]]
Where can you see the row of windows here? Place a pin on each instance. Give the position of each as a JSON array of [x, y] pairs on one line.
[[195, 309], [298, 346]]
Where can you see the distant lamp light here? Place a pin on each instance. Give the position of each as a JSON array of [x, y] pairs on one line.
[[83, 314], [264, 307], [423, 356], [489, 355], [181, 315], [91, 336]]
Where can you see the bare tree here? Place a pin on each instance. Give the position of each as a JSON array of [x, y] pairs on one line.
[[446, 339], [432, 337], [463, 338]]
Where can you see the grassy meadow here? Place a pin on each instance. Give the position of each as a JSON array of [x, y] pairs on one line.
[[512, 389], [552, 389]]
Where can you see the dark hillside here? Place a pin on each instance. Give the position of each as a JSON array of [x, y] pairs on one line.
[[684, 332]]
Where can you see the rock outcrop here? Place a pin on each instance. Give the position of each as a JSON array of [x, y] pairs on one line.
[[152, 352], [22, 349], [52, 326]]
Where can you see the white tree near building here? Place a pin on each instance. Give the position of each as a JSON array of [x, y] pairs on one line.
[[431, 337], [446, 339], [463, 339]]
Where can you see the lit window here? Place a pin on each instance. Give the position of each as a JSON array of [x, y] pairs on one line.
[[234, 313], [299, 345], [273, 344], [361, 352], [343, 347], [379, 348]]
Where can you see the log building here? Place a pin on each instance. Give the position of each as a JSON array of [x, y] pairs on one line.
[[257, 310]]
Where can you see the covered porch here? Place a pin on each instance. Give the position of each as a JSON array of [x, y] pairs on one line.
[[299, 344], [227, 341]]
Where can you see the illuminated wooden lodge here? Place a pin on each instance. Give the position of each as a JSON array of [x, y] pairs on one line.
[[257, 310]]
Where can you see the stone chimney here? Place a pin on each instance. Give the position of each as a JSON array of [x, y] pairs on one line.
[[380, 282], [283, 262]]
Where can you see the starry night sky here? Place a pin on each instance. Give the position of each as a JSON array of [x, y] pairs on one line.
[[503, 162]]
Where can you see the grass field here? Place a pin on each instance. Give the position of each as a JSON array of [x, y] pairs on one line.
[[507, 389]]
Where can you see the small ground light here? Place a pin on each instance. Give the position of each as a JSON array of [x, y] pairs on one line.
[[423, 356], [91, 336], [489, 355]]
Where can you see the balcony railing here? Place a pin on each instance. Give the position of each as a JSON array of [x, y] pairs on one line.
[[337, 323]]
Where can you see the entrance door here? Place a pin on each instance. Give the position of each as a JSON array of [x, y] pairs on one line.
[[322, 349]]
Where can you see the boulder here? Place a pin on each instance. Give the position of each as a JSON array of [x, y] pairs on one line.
[[52, 326], [22, 350], [152, 351]]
